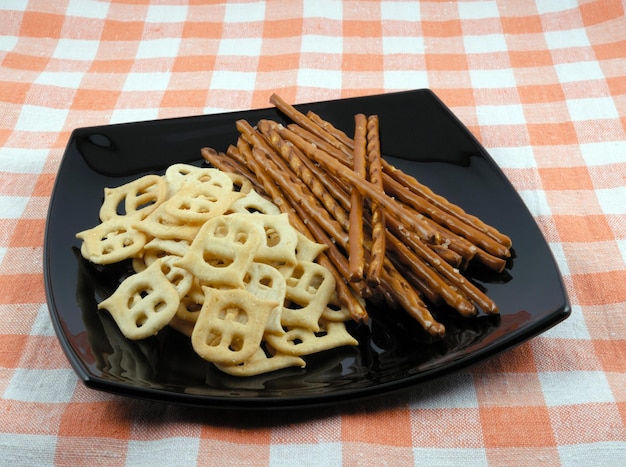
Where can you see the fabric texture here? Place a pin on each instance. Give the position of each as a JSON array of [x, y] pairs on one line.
[[541, 84]]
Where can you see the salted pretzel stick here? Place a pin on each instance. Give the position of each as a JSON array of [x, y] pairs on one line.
[[458, 244], [448, 255], [453, 298], [227, 163], [463, 250], [450, 273], [410, 182], [322, 144], [337, 169], [394, 284], [284, 174], [236, 152], [393, 287], [419, 284], [335, 132], [430, 276], [442, 203], [301, 119], [401, 176], [339, 192], [346, 296], [463, 247], [244, 150], [443, 218], [356, 254], [302, 171], [397, 289], [378, 250], [271, 172], [410, 300], [467, 249]]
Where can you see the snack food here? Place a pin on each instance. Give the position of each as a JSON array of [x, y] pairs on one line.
[[415, 243], [219, 263], [257, 284]]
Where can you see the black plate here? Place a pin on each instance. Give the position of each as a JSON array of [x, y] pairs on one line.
[[419, 135]]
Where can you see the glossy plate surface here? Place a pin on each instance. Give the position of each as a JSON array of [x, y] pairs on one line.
[[419, 135]]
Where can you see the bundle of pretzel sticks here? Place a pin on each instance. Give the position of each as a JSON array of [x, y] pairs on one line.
[[389, 238]]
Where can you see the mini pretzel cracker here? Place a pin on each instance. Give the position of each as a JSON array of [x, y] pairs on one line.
[[307, 249], [335, 310], [309, 289], [111, 242], [168, 246], [143, 304], [191, 304], [196, 203], [280, 240], [230, 326], [161, 224], [303, 341], [253, 202], [180, 278], [223, 250], [178, 174], [134, 199], [266, 282], [215, 261]]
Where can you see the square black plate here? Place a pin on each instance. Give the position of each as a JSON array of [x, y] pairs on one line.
[[420, 135]]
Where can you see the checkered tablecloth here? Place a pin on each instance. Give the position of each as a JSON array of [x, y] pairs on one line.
[[542, 85]]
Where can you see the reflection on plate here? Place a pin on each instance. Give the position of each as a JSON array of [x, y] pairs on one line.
[[420, 136]]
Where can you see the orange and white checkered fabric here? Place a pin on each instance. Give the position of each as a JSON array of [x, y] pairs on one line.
[[541, 83]]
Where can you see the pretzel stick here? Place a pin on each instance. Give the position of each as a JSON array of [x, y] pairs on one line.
[[228, 163], [301, 119], [402, 177], [451, 296], [467, 249], [346, 296], [336, 133], [394, 285], [411, 302], [432, 279], [302, 171], [414, 185], [336, 168], [339, 191], [377, 252], [322, 144], [261, 145], [458, 244], [447, 271], [492, 262], [463, 250], [290, 190], [236, 152], [244, 151], [356, 255], [420, 285], [448, 255], [443, 218], [297, 188]]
